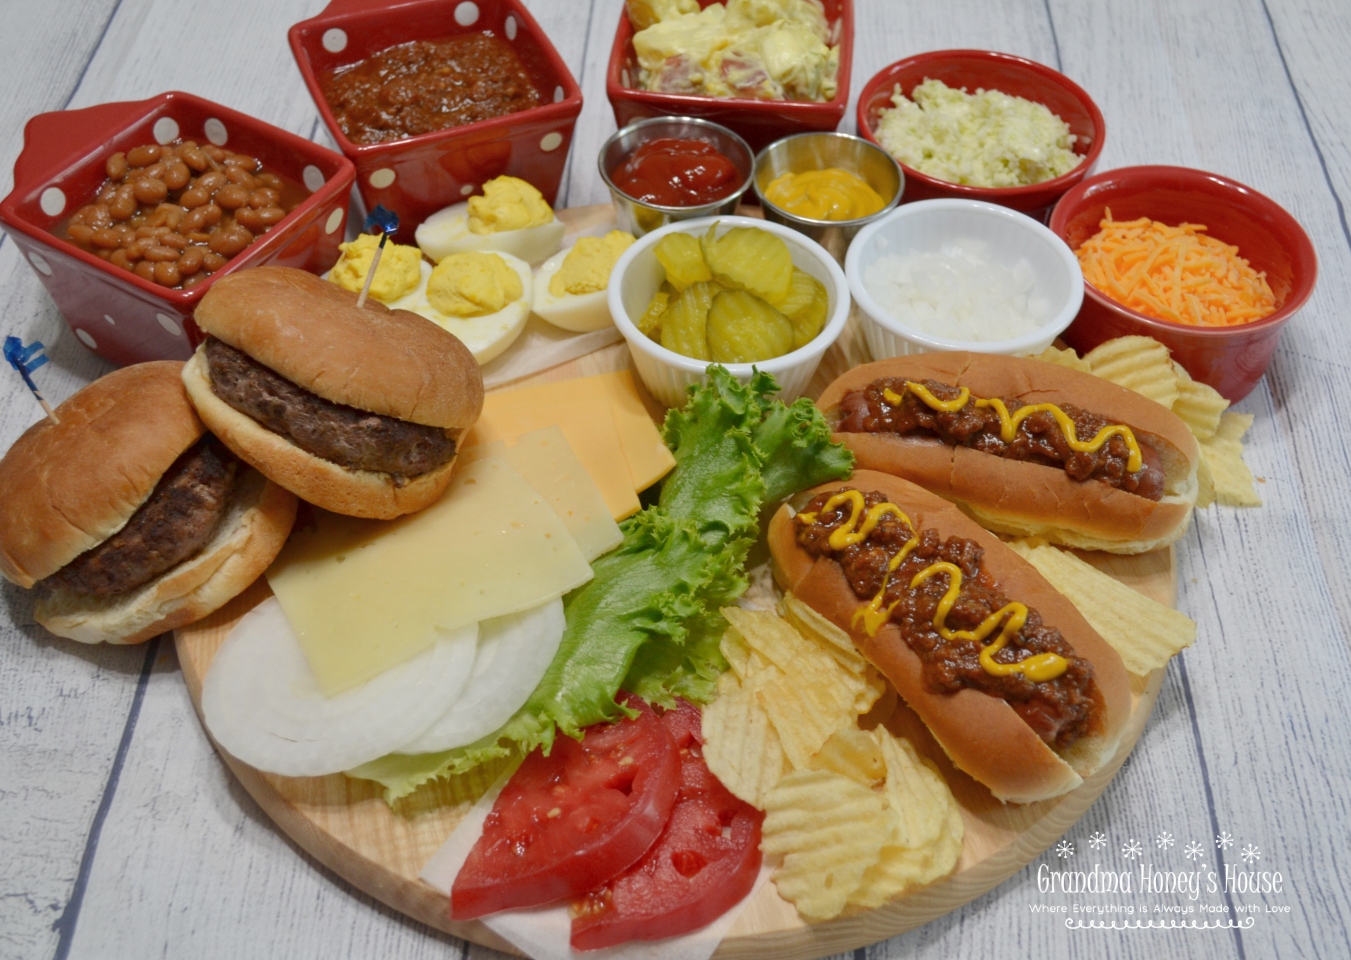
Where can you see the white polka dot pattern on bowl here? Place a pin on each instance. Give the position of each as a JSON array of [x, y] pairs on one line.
[[40, 262], [551, 141], [510, 28], [52, 201], [87, 339], [382, 178], [169, 324], [466, 190], [466, 14], [558, 94], [216, 132], [166, 130], [313, 177], [334, 221], [111, 321], [335, 40]]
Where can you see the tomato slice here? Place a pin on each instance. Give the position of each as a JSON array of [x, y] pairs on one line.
[[566, 823], [705, 862]]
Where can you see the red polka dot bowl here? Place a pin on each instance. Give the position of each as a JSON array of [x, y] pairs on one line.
[[417, 176], [117, 314]]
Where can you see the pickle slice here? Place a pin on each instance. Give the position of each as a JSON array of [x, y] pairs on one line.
[[684, 325], [679, 253], [650, 322], [805, 307], [748, 258], [742, 328]]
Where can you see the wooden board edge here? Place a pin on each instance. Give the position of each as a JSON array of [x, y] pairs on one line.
[[812, 941], [412, 898]]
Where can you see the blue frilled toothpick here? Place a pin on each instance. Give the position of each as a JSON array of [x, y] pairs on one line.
[[387, 221], [26, 360]]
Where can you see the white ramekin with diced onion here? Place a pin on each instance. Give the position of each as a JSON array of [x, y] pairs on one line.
[[638, 275], [1006, 236]]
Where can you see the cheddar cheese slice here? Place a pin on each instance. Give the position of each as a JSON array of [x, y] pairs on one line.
[[584, 416], [648, 457]]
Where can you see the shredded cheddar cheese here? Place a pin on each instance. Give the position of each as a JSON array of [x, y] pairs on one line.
[[1174, 273]]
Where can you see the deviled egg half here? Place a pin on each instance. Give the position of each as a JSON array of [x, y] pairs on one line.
[[483, 298], [511, 217], [570, 288]]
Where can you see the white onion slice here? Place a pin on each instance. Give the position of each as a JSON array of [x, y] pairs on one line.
[[514, 652], [261, 702]]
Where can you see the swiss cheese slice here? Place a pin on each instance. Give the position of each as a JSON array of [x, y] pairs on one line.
[[648, 457], [548, 464], [364, 595], [583, 414]]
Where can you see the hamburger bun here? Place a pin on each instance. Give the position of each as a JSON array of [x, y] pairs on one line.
[[250, 535], [355, 493], [69, 486], [309, 331], [1023, 498], [982, 734]]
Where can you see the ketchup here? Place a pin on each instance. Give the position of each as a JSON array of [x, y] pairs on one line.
[[677, 173]]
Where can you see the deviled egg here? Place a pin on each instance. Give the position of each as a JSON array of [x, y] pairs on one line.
[[570, 288], [482, 298], [511, 216]]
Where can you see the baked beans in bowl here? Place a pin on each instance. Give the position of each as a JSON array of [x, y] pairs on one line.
[[129, 211], [503, 98]]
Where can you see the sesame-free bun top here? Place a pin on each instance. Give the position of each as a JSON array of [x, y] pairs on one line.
[[1025, 498], [310, 331], [68, 486]]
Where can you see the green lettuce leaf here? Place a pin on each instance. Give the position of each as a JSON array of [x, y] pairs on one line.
[[649, 620]]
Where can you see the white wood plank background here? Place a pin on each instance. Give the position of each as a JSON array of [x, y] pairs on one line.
[[122, 835]]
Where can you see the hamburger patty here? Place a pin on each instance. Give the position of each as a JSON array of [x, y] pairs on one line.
[[352, 438], [175, 522]]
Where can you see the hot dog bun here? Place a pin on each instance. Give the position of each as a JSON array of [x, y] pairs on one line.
[[1032, 499], [981, 733]]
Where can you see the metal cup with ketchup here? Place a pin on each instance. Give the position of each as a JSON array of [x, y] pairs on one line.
[[667, 169]]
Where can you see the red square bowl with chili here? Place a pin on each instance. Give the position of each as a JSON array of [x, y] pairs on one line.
[[126, 318], [387, 73], [758, 122]]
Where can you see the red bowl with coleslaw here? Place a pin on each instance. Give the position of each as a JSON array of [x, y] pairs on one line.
[[988, 70], [1230, 359]]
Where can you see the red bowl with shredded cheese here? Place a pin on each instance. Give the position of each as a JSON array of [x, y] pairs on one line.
[[1231, 359]]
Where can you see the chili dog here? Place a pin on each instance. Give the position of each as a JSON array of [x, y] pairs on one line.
[[1013, 682], [1023, 446]]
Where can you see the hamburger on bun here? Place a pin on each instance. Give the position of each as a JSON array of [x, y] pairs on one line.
[[127, 518], [358, 411]]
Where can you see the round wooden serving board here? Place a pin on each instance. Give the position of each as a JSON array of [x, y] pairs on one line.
[[346, 825]]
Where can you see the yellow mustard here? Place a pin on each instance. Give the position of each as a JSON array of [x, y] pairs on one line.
[[829, 194], [872, 616], [1009, 423]]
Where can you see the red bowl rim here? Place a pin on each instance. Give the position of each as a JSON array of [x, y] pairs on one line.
[[683, 104], [340, 183], [994, 194], [570, 105], [1303, 253]]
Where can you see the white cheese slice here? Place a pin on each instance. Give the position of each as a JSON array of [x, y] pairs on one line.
[[364, 596], [546, 460]]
